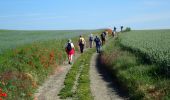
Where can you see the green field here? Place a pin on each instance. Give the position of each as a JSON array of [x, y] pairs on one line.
[[13, 38], [153, 45], [28, 57], [139, 61]]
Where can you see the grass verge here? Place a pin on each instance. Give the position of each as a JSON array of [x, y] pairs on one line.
[[23, 69], [140, 79], [26, 67], [83, 88]]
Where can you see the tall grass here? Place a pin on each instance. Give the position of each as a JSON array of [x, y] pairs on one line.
[[25, 67], [138, 78]]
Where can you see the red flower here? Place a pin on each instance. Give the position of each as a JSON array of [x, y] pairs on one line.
[[0, 98], [3, 95]]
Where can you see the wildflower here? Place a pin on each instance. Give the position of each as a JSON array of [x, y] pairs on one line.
[[3, 95]]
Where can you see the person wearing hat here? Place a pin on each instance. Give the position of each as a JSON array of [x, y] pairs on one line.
[[81, 43], [70, 50]]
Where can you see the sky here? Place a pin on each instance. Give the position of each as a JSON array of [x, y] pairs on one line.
[[84, 14]]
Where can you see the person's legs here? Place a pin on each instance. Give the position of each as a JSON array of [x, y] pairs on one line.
[[81, 48], [91, 43], [97, 49], [70, 58], [103, 41]]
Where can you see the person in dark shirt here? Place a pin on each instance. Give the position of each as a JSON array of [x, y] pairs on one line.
[[103, 37], [98, 44]]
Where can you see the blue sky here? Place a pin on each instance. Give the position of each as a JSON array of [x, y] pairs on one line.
[[84, 14]]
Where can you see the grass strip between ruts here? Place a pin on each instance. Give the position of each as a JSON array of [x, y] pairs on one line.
[[83, 88]]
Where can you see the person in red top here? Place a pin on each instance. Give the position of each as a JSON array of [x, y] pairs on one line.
[[70, 50]]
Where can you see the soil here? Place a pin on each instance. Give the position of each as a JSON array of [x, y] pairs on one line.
[[52, 86], [103, 86]]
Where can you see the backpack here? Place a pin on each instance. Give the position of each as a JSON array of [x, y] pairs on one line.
[[69, 47], [81, 41], [97, 40]]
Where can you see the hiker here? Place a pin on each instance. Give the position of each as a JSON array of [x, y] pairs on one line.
[[114, 32], [98, 44], [81, 43], [70, 50], [91, 40], [114, 29], [103, 37], [121, 28]]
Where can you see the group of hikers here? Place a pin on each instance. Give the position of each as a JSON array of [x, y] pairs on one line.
[[114, 30], [70, 49]]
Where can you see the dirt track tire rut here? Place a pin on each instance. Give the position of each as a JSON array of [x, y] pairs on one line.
[[102, 85]]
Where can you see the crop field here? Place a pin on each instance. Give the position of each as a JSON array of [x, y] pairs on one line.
[[28, 57], [139, 60], [154, 45], [12, 38]]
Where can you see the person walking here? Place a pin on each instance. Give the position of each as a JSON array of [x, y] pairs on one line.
[[103, 37], [91, 40], [114, 28], [98, 44], [121, 28], [81, 43], [114, 32], [70, 50]]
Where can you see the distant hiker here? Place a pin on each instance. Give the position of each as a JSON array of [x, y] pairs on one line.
[[81, 43], [91, 40], [113, 33], [121, 28], [98, 44], [114, 29], [103, 37], [70, 50]]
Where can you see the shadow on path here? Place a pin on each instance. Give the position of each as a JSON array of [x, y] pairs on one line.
[[106, 75]]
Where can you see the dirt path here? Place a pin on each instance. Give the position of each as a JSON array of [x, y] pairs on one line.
[[102, 85], [52, 86]]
